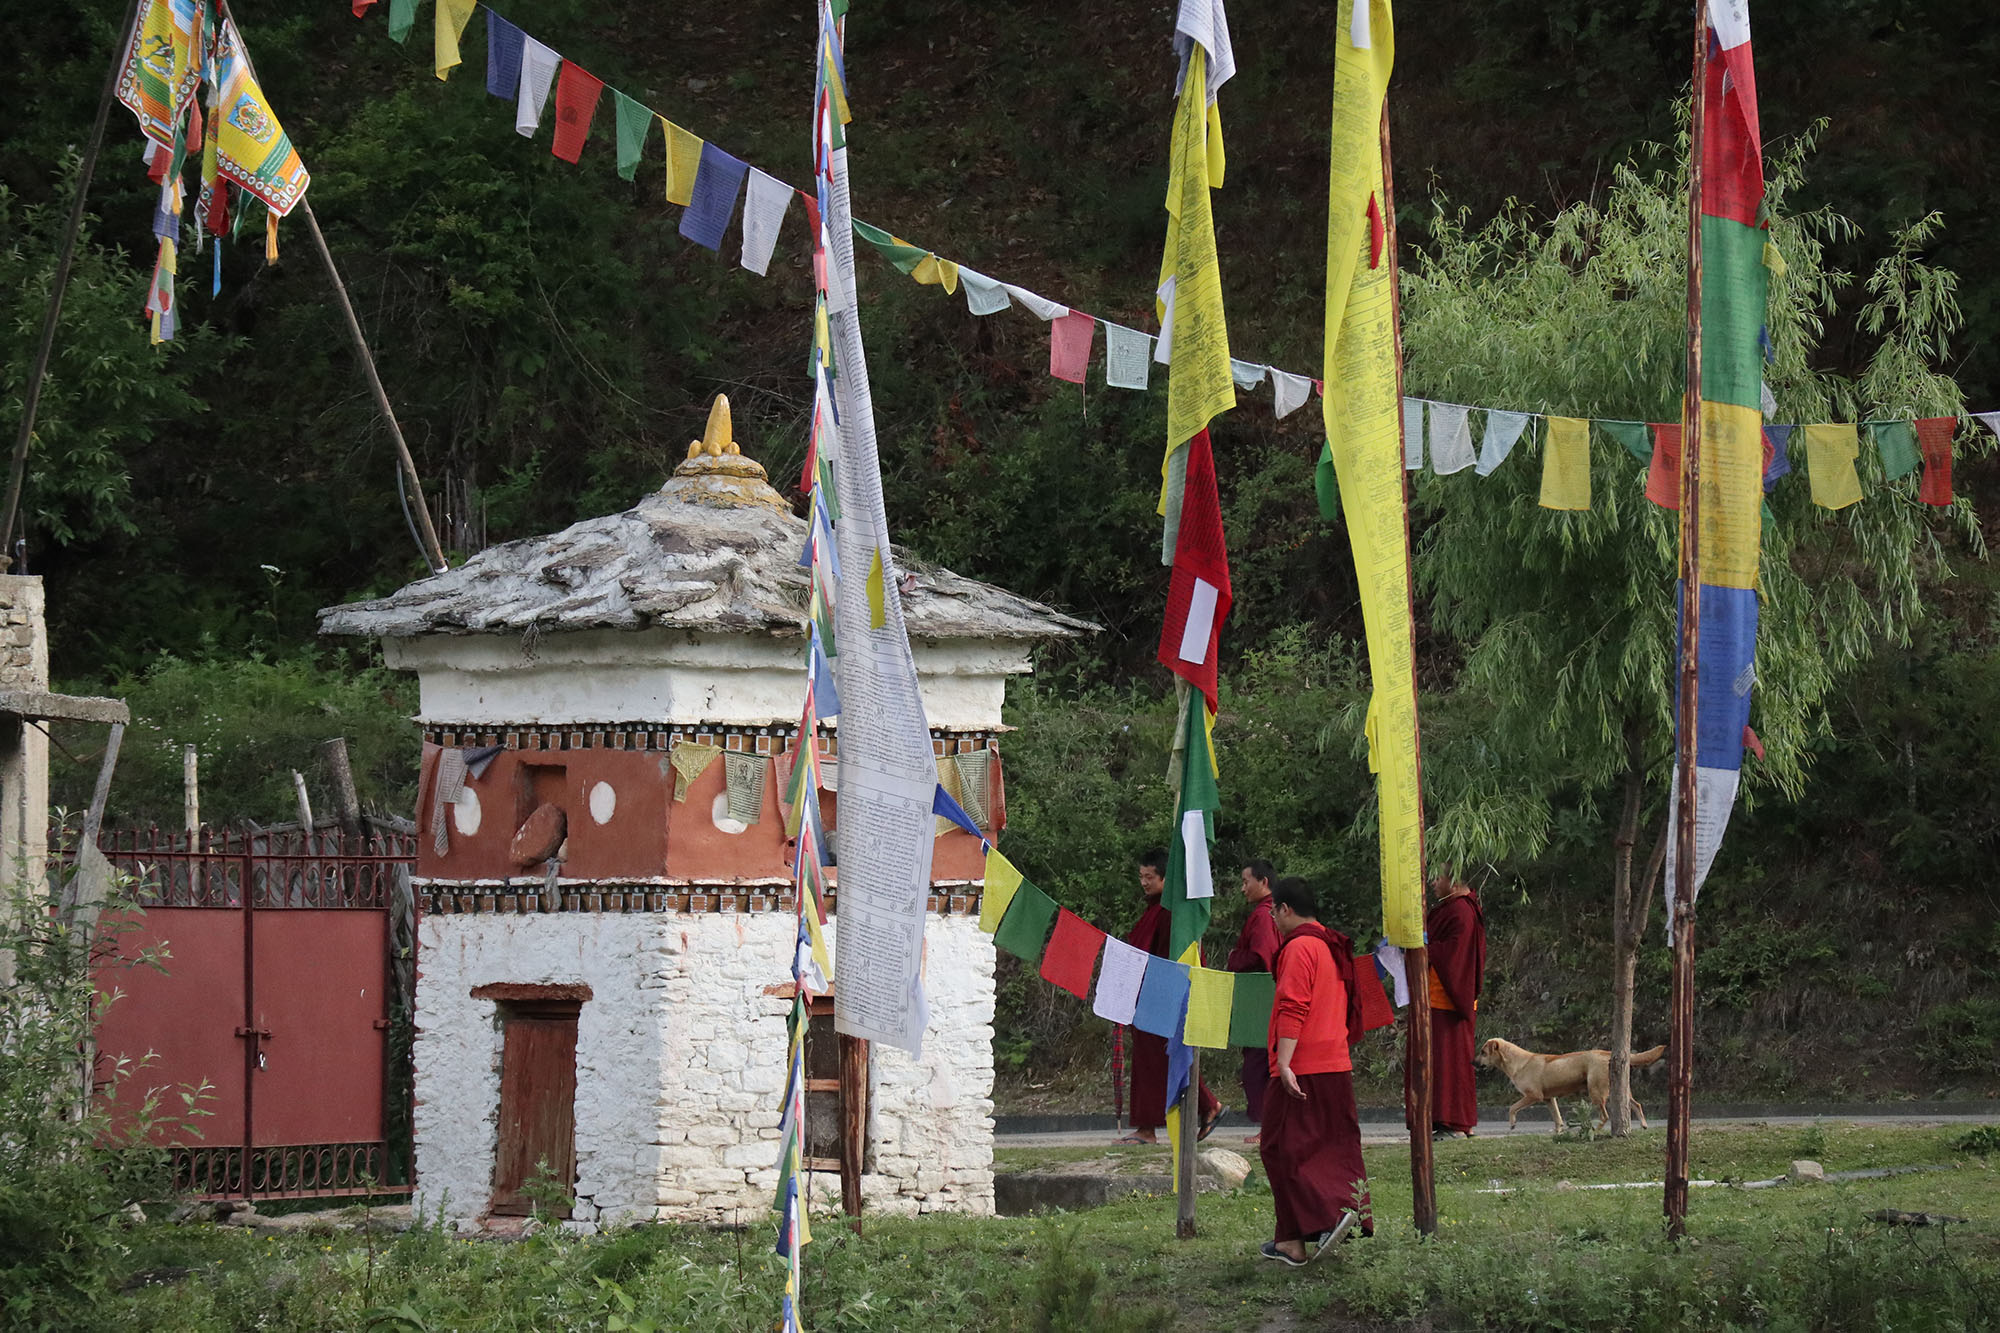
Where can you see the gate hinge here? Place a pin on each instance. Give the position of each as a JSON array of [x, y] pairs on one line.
[[381, 1025]]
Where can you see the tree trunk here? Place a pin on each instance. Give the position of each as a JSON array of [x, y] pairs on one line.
[[1624, 936]]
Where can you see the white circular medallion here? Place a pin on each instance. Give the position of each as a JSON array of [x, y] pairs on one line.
[[603, 801], [719, 812], [465, 812]]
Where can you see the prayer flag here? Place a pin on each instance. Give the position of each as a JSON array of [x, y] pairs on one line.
[[1025, 928], [683, 162], [577, 91], [1211, 994], [1413, 434], [1830, 454], [1777, 455], [1246, 374], [452, 16], [1631, 434], [763, 213], [252, 149], [878, 593], [1198, 593], [1197, 798], [538, 71], [1566, 464], [1502, 430], [1991, 420], [1002, 880], [1934, 439], [717, 182], [503, 56], [1072, 954], [1376, 1011], [402, 18], [1128, 357], [162, 67], [1288, 392], [1250, 1009], [1450, 439], [1326, 483], [635, 122], [1897, 444], [1118, 981], [1389, 962], [1163, 994], [1041, 307], [1663, 474], [983, 295], [1070, 339]]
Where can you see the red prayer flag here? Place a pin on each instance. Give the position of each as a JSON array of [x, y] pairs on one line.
[[1934, 438], [1732, 158], [1072, 953], [361, 8], [577, 90], [1663, 476], [1376, 1011], [1069, 345], [1198, 596], [1376, 234]]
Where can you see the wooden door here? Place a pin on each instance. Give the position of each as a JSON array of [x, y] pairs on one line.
[[537, 1104]]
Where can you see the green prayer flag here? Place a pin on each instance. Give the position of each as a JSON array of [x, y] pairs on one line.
[[402, 17], [1199, 797], [635, 122], [1634, 435], [1896, 441], [1025, 929], [1250, 1008], [893, 248], [1326, 484]]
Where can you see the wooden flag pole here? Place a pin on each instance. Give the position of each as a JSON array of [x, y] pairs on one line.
[[1680, 1049], [1184, 1160], [1416, 962], [31, 396]]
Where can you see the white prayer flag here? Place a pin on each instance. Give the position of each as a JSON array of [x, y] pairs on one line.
[[1041, 307], [1391, 960], [1247, 374], [1769, 402], [1163, 346], [1451, 439], [538, 71], [1194, 851], [983, 295], [1128, 356], [1204, 21], [1357, 27], [1288, 392], [1118, 979], [1991, 421], [763, 213], [1502, 430], [1200, 626], [1413, 434]]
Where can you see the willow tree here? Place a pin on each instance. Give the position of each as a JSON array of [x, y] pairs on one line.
[[1566, 619]]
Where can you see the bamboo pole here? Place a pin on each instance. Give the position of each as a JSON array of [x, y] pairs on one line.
[[1680, 1050], [1417, 1104], [191, 790], [17, 470]]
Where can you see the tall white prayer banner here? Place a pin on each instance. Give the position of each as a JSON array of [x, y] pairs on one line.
[[888, 774]]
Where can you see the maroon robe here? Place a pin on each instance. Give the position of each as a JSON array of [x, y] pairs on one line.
[[1311, 1146], [1153, 933], [1256, 951], [1455, 930]]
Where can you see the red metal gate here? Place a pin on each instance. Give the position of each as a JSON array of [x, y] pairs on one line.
[[275, 995]]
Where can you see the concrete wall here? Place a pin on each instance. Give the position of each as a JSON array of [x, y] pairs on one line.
[[680, 1065]]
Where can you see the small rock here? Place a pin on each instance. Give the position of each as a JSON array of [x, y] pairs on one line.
[[243, 1214], [1804, 1170], [1229, 1169], [697, 85], [133, 1215], [1565, 1184]]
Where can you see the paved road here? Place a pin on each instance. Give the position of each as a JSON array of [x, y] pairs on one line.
[[1228, 1135]]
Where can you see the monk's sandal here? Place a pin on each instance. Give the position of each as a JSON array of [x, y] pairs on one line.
[[1271, 1251], [1328, 1239]]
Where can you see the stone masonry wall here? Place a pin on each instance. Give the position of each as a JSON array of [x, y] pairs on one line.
[[681, 1061]]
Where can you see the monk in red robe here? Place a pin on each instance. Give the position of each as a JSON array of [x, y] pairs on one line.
[[1455, 930], [1256, 951], [1153, 933], [1312, 1130]]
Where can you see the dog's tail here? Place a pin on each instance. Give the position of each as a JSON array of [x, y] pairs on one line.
[[1640, 1059]]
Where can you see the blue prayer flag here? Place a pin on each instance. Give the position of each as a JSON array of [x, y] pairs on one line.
[[944, 807], [1163, 995], [717, 182], [503, 56]]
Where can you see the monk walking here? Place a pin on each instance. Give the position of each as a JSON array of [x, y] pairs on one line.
[[1256, 951], [1312, 1130], [1455, 928], [1153, 933]]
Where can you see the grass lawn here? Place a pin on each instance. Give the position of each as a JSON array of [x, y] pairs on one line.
[[1542, 1256]]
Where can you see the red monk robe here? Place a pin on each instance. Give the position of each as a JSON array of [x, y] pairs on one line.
[[1149, 1053], [1256, 951], [1456, 931], [1311, 1145]]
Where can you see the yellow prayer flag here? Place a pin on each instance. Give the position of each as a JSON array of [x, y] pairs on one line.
[[878, 595], [683, 160], [935, 272], [817, 934], [1362, 411], [1566, 464], [1174, 1127], [1001, 882], [451, 18], [1830, 455], [1210, 995], [1199, 385], [1732, 493]]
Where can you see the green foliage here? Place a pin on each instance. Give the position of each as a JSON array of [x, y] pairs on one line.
[[1067, 1298], [253, 720], [1964, 1037]]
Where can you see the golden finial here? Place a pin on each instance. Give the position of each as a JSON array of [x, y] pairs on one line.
[[716, 439]]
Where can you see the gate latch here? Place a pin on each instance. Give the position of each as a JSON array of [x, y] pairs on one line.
[[257, 1036]]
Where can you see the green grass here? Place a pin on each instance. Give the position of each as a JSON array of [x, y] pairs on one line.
[[1543, 1256]]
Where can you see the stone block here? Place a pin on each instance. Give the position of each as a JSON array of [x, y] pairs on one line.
[[1804, 1171]]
